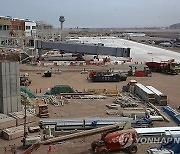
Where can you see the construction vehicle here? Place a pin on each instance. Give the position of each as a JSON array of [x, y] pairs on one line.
[[116, 140], [47, 74], [168, 67], [119, 136], [24, 80], [110, 128], [135, 71], [106, 76]]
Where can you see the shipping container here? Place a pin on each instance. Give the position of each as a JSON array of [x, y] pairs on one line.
[[144, 93], [160, 98]]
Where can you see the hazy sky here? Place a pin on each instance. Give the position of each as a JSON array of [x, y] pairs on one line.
[[96, 13]]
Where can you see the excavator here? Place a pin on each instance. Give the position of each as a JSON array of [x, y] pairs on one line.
[[114, 137]]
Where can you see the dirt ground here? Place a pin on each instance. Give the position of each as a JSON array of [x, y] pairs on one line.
[[167, 84]]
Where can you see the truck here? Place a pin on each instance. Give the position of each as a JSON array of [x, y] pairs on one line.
[[167, 67]]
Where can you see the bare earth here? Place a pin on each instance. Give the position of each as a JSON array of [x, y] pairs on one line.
[[167, 84]]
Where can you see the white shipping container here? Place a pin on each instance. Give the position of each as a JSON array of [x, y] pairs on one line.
[[160, 98], [144, 93]]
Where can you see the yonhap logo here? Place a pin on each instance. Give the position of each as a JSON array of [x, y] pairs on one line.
[[158, 140]]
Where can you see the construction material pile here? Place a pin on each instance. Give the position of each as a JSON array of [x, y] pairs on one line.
[[90, 123], [30, 104], [53, 100], [93, 97], [126, 100], [26, 100]]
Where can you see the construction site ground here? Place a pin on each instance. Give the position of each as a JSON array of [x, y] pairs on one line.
[[79, 108]]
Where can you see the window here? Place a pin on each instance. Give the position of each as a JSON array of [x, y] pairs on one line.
[[7, 27], [28, 27], [33, 27], [16, 27], [4, 27], [1, 27]]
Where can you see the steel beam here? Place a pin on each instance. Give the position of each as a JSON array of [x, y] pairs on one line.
[[82, 48]]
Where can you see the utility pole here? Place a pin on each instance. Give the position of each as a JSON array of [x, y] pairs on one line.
[[25, 118]]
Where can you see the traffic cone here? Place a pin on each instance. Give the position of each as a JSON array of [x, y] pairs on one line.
[[36, 91], [40, 90], [50, 148]]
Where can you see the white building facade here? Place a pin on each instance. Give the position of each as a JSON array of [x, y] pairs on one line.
[[30, 28]]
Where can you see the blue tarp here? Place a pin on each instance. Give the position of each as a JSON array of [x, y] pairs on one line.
[[28, 92], [172, 113]]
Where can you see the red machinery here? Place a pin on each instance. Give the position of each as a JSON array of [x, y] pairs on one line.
[[168, 67], [117, 140]]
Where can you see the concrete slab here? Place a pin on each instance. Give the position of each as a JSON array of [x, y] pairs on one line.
[[3, 85], [14, 104], [13, 85], [13, 133], [19, 106], [6, 122], [2, 68], [18, 85], [19, 116], [13, 69], [7, 86], [7, 68], [4, 105], [139, 52], [9, 105]]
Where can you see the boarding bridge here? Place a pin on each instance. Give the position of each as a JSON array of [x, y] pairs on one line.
[[81, 48]]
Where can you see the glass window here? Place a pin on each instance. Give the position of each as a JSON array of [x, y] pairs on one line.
[[33, 27], [7, 27], [28, 27], [1, 27], [4, 27]]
